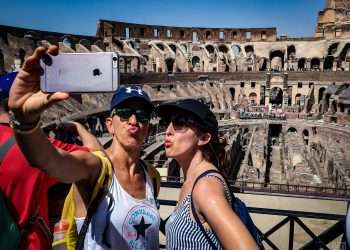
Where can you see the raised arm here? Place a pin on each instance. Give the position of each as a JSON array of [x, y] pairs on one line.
[[27, 102], [210, 202]]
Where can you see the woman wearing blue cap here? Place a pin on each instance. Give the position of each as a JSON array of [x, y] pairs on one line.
[[203, 218], [115, 188]]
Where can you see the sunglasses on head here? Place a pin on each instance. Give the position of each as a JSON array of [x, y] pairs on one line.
[[125, 113], [180, 123]]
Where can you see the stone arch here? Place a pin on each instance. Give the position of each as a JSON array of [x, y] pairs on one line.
[[119, 44], [232, 92], [86, 43], [160, 46], [253, 98], [297, 99], [328, 63], [19, 58], [196, 63], [210, 48], [315, 63], [292, 130], [169, 64], [306, 136], [236, 50], [276, 96], [291, 52], [249, 50], [173, 47], [320, 94], [344, 56], [100, 44], [67, 41], [277, 60], [301, 64], [223, 48], [332, 49], [263, 64]]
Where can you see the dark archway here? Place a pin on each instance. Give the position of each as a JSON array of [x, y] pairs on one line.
[[277, 60], [297, 99], [276, 96], [306, 136], [291, 52], [301, 64], [210, 49], [173, 47], [196, 62], [328, 63], [262, 64], [315, 64], [332, 49], [223, 48], [292, 130], [320, 93], [232, 91], [169, 64]]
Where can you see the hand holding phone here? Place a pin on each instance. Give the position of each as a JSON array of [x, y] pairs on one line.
[[80, 72]]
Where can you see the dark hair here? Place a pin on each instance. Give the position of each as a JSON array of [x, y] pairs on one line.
[[4, 107], [214, 152]]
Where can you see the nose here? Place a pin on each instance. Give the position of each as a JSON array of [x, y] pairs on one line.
[[170, 129], [133, 119]]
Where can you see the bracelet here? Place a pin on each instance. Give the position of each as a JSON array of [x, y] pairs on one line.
[[21, 127], [26, 131]]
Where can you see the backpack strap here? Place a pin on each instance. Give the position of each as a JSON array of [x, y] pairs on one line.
[[5, 148], [194, 213]]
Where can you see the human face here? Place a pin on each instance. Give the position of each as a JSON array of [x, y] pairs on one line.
[[129, 123], [182, 137]]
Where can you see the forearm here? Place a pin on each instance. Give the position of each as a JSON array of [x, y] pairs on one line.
[[40, 153], [88, 139]]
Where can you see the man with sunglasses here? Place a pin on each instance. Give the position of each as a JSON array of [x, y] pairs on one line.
[[126, 215]]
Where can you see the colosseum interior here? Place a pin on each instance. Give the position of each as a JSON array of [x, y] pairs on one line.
[[283, 103]]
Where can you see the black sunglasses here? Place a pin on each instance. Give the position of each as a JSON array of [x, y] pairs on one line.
[[180, 123], [142, 115]]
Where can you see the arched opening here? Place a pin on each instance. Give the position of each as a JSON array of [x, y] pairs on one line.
[[291, 52], [67, 42], [169, 64], [223, 48], [298, 99], [344, 56], [328, 63], [262, 64], [334, 107], [19, 58], [249, 50], [333, 49], [301, 64], [320, 94], [208, 34], [276, 96], [210, 49], [160, 46], [306, 136], [277, 60], [196, 63], [315, 64], [292, 130], [173, 47], [86, 43], [232, 91], [236, 50], [252, 98], [119, 44]]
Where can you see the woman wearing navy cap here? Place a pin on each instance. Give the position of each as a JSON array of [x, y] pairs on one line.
[[126, 215], [203, 218]]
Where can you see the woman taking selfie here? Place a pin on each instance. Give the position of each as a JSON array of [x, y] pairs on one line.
[[191, 138], [126, 216]]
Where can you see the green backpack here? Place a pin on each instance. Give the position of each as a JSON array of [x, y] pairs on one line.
[[10, 234]]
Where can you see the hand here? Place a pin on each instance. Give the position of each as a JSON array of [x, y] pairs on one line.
[[26, 100]]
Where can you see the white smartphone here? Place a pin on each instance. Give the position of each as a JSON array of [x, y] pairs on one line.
[[80, 72]]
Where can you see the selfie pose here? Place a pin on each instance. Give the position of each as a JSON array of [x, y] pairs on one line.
[[125, 215], [191, 138]]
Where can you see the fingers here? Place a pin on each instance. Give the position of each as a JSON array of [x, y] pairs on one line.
[[53, 50], [56, 97], [32, 62]]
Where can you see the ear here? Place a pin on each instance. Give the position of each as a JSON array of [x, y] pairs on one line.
[[204, 139], [109, 125]]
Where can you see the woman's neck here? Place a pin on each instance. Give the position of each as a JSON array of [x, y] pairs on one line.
[[122, 158], [191, 165]]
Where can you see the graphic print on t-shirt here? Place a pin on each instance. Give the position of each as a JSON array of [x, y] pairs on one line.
[[137, 226]]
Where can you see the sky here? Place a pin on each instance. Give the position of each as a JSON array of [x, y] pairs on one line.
[[295, 18]]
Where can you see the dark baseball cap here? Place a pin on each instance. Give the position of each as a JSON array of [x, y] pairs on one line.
[[200, 111], [130, 92]]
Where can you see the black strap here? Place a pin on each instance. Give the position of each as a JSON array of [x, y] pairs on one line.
[[210, 171], [5, 148], [91, 211]]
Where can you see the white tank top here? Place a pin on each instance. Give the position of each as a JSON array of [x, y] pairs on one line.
[[123, 222]]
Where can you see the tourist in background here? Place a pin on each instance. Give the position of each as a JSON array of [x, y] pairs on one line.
[[191, 138]]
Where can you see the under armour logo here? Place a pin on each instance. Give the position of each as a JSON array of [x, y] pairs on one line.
[[138, 90]]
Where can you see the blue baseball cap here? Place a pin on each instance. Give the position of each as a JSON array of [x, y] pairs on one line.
[[6, 83], [130, 92]]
